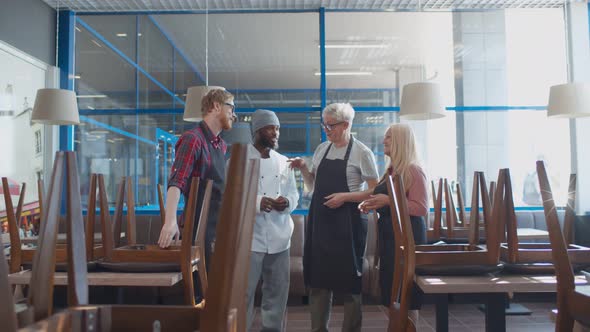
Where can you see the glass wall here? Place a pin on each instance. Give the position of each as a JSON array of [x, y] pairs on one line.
[[132, 72]]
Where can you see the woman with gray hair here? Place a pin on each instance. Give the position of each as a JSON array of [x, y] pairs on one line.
[[335, 235]]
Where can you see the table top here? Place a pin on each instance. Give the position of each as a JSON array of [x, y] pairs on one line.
[[491, 284], [532, 233], [61, 238], [163, 279]]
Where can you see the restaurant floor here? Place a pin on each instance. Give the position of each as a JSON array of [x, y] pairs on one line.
[[462, 318]]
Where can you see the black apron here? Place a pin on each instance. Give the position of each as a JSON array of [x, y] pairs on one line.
[[334, 238]]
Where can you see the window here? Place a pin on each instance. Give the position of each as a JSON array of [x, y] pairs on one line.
[[38, 144]]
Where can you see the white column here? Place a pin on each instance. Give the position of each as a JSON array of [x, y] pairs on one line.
[[579, 71]]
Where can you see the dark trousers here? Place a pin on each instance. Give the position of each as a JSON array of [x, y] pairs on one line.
[[386, 256]]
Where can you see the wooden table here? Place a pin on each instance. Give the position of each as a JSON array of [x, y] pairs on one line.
[[491, 290], [61, 238], [163, 279], [532, 234]]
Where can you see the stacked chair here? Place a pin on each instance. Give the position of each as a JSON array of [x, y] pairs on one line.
[[40, 296], [466, 258], [573, 302], [224, 307], [535, 258], [23, 257], [446, 259], [456, 226], [151, 258]]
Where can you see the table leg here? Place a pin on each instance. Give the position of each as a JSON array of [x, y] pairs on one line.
[[495, 316], [442, 312]]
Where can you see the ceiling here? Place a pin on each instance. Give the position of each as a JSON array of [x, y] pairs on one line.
[[221, 5], [274, 59]]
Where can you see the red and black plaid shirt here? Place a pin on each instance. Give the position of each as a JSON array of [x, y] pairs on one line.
[[193, 157]]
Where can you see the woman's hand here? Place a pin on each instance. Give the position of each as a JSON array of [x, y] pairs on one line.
[[374, 202], [335, 201]]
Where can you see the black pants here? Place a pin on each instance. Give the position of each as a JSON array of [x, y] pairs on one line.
[[386, 256]]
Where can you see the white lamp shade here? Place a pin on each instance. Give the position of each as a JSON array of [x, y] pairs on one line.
[[192, 106], [55, 107], [421, 101], [570, 100]]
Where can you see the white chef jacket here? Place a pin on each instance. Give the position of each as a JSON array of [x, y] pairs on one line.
[[272, 230]]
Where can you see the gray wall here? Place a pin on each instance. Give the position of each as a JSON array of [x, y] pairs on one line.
[[29, 25]]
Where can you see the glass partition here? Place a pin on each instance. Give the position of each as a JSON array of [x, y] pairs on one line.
[[132, 72]]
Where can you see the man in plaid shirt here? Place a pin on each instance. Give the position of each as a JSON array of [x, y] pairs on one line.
[[200, 152]]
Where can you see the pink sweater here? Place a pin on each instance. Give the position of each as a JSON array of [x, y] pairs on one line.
[[417, 193]]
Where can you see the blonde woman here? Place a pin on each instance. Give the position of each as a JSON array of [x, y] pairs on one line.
[[400, 146]]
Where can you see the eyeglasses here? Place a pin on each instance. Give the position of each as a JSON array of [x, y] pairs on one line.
[[233, 111], [330, 126], [232, 106]]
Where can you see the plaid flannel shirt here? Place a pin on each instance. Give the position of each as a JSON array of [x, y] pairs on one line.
[[193, 157]]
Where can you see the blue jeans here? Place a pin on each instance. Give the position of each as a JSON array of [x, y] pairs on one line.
[[275, 272]]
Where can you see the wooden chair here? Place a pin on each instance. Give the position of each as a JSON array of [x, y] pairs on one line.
[[23, 257], [470, 258], [152, 258], [162, 204], [13, 225], [492, 191], [40, 297], [458, 228], [225, 306], [7, 313], [573, 302], [434, 234], [403, 278], [534, 257]]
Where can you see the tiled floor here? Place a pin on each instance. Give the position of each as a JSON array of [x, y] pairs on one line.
[[462, 318]]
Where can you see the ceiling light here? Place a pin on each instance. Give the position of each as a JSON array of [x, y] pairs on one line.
[[346, 73], [570, 100], [121, 35], [92, 96], [96, 43], [421, 101], [357, 46], [99, 132]]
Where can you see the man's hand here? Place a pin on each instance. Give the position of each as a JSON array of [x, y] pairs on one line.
[[266, 204], [168, 233], [280, 204], [335, 201], [297, 163]]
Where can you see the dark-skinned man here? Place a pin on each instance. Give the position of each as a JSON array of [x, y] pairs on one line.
[[277, 198]]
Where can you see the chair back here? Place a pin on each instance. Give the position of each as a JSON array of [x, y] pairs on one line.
[[231, 259], [461, 203], [437, 201], [403, 282], [7, 314], [13, 227], [41, 285], [561, 260]]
